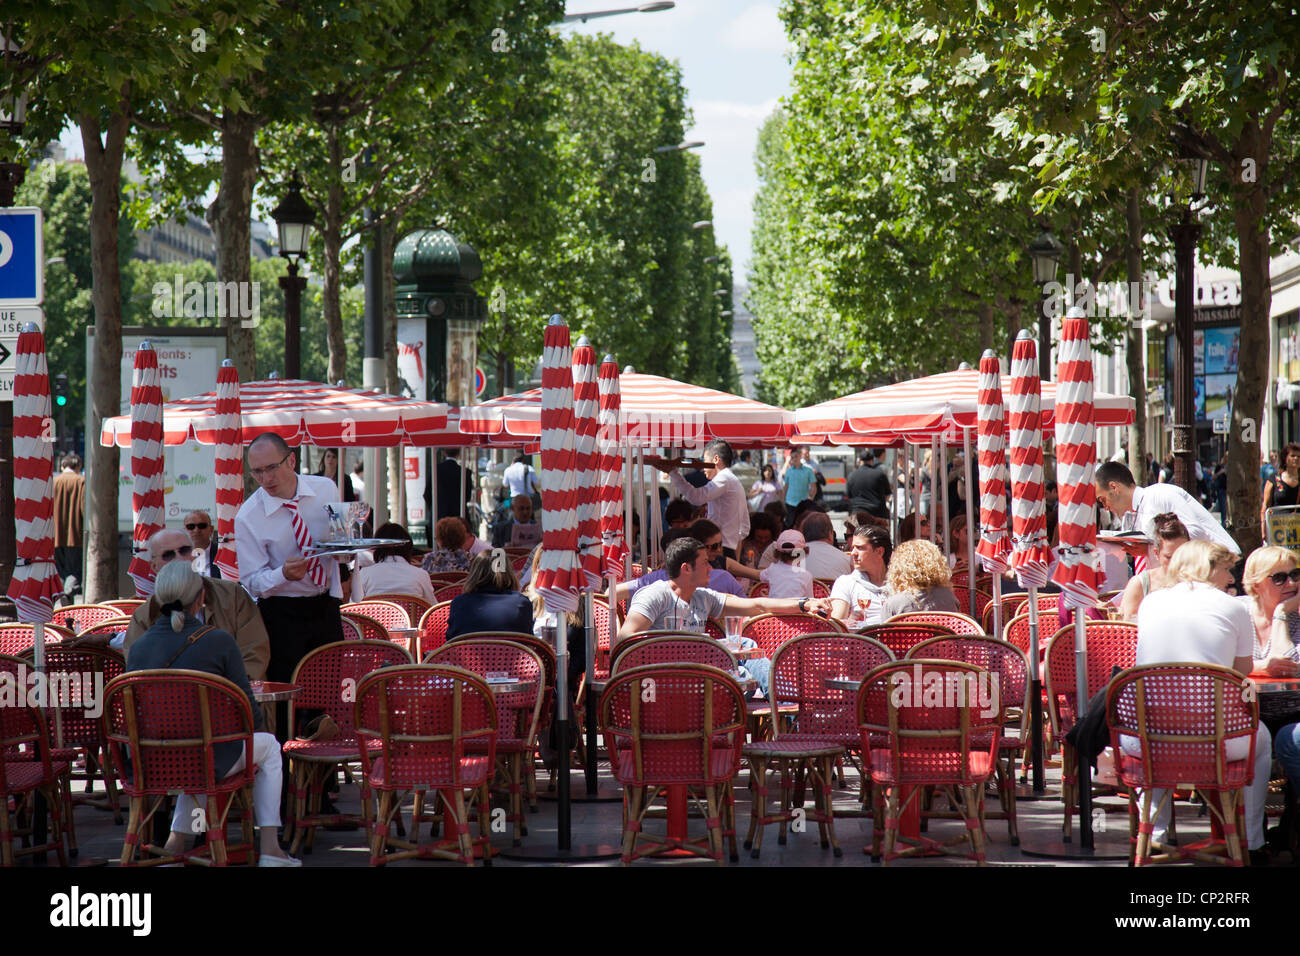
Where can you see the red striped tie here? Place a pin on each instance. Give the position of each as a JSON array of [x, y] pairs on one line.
[[315, 573]]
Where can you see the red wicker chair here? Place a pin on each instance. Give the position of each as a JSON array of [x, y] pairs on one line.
[[1111, 644], [433, 629], [172, 720], [824, 730], [902, 637], [445, 592], [684, 730], [1009, 604], [547, 653], [1183, 720], [114, 626], [16, 638], [758, 589], [439, 578], [72, 731], [518, 558], [771, 630], [385, 612], [519, 713], [1047, 604], [954, 622], [328, 676], [672, 649], [961, 579], [412, 605], [27, 768], [1011, 668], [423, 727], [80, 617], [822, 587], [909, 747], [982, 600], [125, 606]]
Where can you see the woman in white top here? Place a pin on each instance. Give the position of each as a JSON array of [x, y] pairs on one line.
[[766, 489], [1194, 620], [1273, 596], [393, 572]]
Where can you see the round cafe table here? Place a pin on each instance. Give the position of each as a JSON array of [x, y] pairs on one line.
[[273, 692]]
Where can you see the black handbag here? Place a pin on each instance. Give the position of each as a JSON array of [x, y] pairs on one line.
[[1090, 734]]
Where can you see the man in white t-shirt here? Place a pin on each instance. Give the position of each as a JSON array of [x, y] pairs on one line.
[[520, 477], [684, 603], [858, 598], [1195, 620]]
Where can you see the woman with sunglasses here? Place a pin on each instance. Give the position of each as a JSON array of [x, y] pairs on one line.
[[1272, 583]]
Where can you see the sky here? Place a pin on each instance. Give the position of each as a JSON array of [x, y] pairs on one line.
[[734, 67], [732, 55]]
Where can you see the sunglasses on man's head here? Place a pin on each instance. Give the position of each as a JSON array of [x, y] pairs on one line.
[[171, 553], [1281, 577], [196, 526]]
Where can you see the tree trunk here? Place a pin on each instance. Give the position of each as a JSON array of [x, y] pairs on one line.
[[387, 241], [229, 216], [104, 166], [986, 327], [331, 233], [1250, 211], [1135, 348]]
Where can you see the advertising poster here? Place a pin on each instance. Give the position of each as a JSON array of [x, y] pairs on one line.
[[1198, 352], [187, 366], [412, 358], [1199, 385], [1219, 392], [1221, 350]]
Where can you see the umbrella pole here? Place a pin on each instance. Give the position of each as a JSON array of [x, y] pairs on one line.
[[656, 515], [1035, 695], [915, 452], [893, 495], [997, 604], [943, 483], [589, 632], [432, 516], [1081, 692], [971, 527], [559, 630], [627, 520], [645, 514], [934, 486]]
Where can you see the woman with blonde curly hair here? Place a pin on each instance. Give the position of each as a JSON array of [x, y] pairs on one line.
[[919, 579]]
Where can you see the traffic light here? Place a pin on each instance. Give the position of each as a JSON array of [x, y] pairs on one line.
[[60, 390]]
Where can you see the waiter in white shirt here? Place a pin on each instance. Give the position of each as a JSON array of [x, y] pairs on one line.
[[724, 494], [298, 596], [1137, 507]]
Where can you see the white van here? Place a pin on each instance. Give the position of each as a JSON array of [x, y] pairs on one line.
[[834, 464]]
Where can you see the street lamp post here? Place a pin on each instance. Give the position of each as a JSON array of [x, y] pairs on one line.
[[1185, 233], [597, 14], [1044, 252], [293, 219]]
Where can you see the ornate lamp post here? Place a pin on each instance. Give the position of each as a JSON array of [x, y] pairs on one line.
[[293, 219], [1185, 233], [1044, 253]]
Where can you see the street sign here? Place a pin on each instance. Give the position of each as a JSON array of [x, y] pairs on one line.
[[22, 256], [1220, 426], [12, 321], [480, 381]]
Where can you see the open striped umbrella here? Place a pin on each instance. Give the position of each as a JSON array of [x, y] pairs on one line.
[[559, 576], [1076, 454], [586, 426], [230, 468], [994, 543], [35, 581], [611, 471], [1030, 554], [147, 504]]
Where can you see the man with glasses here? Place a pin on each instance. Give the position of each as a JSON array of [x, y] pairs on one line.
[[275, 530], [225, 604], [199, 526]]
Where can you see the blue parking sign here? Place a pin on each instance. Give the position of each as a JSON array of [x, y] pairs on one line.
[[22, 256]]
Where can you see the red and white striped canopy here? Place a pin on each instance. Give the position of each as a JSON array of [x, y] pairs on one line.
[[1030, 555], [35, 581], [451, 436], [929, 406], [654, 412], [1076, 456], [229, 469], [147, 502], [298, 412]]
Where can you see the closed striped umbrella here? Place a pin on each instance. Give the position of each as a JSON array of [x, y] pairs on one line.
[[994, 543], [559, 576], [611, 471], [35, 581], [230, 468], [1030, 554], [586, 427], [1076, 455], [147, 504]]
